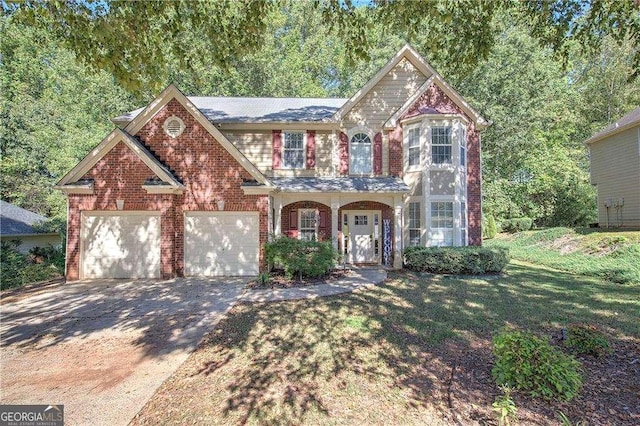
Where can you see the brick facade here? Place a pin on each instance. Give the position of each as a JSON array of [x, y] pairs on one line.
[[205, 167]]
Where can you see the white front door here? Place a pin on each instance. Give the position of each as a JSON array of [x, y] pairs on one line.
[[362, 236]]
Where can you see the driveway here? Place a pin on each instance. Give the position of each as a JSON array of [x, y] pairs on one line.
[[102, 348]]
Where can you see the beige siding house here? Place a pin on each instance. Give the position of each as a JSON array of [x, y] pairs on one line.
[[615, 171]]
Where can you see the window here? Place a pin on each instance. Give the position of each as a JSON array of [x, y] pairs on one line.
[[441, 223], [293, 152], [361, 220], [441, 145], [415, 232], [360, 154], [463, 147], [414, 147], [308, 221]]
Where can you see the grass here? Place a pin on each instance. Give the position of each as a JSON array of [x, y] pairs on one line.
[[610, 255], [414, 350]]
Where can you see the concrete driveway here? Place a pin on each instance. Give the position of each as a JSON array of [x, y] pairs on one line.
[[102, 348]]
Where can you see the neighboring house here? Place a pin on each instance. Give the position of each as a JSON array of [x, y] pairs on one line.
[[195, 186], [615, 171], [17, 224]]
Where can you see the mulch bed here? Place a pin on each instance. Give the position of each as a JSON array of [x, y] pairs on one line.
[[277, 280], [610, 394]]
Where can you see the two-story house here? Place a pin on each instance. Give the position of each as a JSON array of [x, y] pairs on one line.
[[195, 186]]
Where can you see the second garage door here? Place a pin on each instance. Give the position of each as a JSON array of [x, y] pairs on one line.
[[221, 243]]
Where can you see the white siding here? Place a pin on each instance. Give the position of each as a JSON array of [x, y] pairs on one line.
[[615, 169], [386, 97], [255, 145]]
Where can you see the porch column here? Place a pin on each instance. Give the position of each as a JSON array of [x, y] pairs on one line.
[[335, 206], [397, 244], [277, 209]]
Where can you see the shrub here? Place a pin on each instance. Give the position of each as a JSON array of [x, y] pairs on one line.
[[11, 263], [301, 258], [518, 224], [528, 363], [456, 260], [490, 230], [505, 408], [587, 340]]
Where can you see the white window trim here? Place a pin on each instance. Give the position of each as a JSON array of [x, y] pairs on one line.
[[452, 231], [350, 134], [421, 211], [317, 219], [421, 146], [304, 150]]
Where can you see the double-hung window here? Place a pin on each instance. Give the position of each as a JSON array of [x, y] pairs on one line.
[[293, 151], [415, 230], [441, 146], [414, 147], [308, 225], [463, 147], [442, 223]]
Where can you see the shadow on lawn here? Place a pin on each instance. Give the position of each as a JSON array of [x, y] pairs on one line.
[[419, 342]]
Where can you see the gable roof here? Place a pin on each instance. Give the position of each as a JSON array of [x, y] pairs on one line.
[[17, 221], [116, 136], [220, 109], [172, 92], [626, 122]]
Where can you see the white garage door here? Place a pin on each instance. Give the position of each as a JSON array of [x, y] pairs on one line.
[[120, 245], [221, 243]]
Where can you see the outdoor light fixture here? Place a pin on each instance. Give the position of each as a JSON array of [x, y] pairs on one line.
[[220, 204], [120, 204]]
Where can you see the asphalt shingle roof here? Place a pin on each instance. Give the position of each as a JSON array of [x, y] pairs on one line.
[[342, 184], [15, 220], [629, 119], [259, 110]]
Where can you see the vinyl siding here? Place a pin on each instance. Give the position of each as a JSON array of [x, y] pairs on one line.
[[257, 147], [615, 169], [386, 97], [27, 242]]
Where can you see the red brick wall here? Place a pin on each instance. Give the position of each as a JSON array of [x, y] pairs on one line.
[[208, 172], [396, 163]]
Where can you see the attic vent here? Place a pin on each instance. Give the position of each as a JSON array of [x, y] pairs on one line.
[[173, 126]]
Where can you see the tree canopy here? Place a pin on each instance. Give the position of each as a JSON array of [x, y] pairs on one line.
[[134, 41]]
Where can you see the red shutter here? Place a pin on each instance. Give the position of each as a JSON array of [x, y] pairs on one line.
[[323, 232], [311, 149], [292, 232], [343, 154], [277, 149], [377, 154], [293, 219]]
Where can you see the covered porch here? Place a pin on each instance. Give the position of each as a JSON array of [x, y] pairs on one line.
[[363, 217]]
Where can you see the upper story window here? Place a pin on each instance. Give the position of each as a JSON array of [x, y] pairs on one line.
[[360, 154], [293, 150], [413, 147], [441, 145]]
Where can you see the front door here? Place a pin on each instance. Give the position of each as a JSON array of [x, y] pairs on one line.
[[363, 240]]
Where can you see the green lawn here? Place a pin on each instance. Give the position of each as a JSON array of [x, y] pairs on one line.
[[609, 254], [414, 350]]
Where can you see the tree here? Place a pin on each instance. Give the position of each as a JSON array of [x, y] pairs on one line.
[[53, 111], [135, 40]]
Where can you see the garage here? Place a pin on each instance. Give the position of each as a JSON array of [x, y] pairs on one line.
[[221, 244], [120, 245]]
